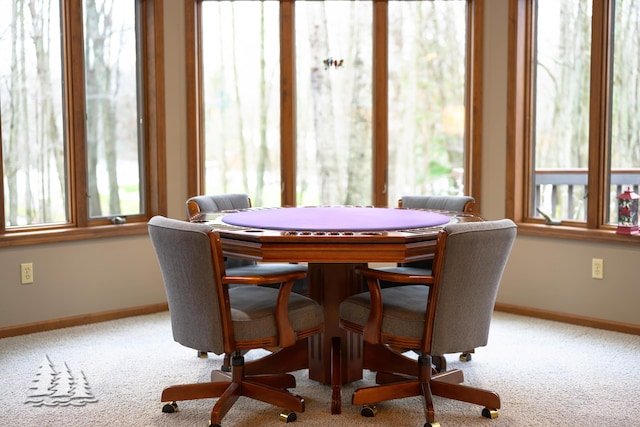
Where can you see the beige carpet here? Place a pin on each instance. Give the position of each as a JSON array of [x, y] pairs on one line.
[[112, 373]]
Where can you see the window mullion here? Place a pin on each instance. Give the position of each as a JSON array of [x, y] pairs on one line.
[[287, 104], [76, 116], [380, 157], [599, 113]]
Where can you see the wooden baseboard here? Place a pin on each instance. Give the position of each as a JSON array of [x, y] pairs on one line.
[[608, 325], [49, 325], [85, 319]]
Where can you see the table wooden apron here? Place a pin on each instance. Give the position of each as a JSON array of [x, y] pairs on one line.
[[333, 241]]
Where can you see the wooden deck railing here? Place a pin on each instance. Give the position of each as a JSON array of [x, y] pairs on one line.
[[567, 183]]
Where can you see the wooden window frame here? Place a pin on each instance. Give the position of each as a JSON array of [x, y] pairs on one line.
[[80, 226], [473, 96], [520, 169]]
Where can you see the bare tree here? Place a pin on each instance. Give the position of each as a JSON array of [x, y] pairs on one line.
[[625, 137], [240, 121], [48, 134], [263, 156], [16, 111], [101, 86], [359, 161], [322, 100]]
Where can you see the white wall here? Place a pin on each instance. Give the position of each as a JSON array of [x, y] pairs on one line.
[[76, 278]]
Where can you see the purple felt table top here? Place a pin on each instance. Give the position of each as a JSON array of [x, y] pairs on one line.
[[335, 219]]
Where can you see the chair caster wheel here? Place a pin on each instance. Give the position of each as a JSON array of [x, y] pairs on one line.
[[170, 408], [214, 425], [433, 424], [465, 357], [369, 411], [288, 416], [490, 413]]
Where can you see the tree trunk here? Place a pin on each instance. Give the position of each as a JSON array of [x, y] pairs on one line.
[[323, 118], [358, 166]]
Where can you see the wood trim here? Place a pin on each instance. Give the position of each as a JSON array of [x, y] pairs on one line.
[[607, 325], [154, 98], [600, 94], [516, 111], [75, 109], [380, 125], [195, 144], [84, 319], [288, 124], [474, 95]]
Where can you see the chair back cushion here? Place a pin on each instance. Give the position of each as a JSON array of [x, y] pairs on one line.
[[446, 203], [184, 253], [475, 256], [220, 202]]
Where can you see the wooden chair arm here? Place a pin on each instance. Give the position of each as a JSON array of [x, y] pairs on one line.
[[372, 332], [286, 334], [390, 276], [270, 279]]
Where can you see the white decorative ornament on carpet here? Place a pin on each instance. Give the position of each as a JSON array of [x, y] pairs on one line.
[[53, 387]]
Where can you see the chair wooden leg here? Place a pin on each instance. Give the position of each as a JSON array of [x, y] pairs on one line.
[[454, 376], [465, 393], [336, 376], [392, 377], [273, 396], [440, 363], [380, 393], [226, 363], [277, 381], [424, 368], [268, 388], [193, 391], [225, 402]]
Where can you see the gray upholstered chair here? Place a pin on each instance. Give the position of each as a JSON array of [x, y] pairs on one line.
[[216, 203], [234, 201], [436, 312], [236, 266], [444, 203], [207, 314]]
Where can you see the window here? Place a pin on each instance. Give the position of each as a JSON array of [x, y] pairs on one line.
[[334, 86], [318, 108], [573, 96], [80, 135], [427, 75], [241, 97]]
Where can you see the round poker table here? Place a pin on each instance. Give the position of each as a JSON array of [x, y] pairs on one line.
[[333, 241], [337, 218]]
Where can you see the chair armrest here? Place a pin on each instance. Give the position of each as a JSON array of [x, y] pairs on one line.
[[372, 332], [270, 279], [391, 276], [286, 334]]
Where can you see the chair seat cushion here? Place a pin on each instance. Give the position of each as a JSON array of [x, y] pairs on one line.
[[403, 313], [253, 312], [265, 269]]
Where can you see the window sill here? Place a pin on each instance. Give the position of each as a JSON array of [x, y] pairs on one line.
[[603, 235], [37, 237]]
